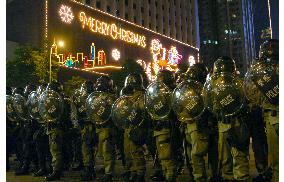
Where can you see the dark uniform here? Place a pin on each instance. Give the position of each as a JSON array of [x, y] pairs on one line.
[[134, 132], [105, 130], [55, 130], [233, 130], [87, 131], [28, 127], [265, 75], [164, 132], [197, 131]]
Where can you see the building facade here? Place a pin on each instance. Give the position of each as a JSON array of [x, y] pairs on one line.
[[177, 19], [226, 29]]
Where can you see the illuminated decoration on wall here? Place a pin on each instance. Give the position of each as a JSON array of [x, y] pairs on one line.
[[79, 60], [115, 54], [101, 57], [66, 14], [111, 30], [191, 60], [174, 56], [93, 51], [162, 59], [142, 63]]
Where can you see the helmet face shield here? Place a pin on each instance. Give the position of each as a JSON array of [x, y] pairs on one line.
[[134, 80], [224, 64]]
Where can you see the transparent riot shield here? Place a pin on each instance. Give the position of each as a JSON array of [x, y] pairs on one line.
[[223, 94], [187, 101], [33, 107], [79, 100], [99, 106], [158, 100], [21, 108], [10, 110], [265, 77], [126, 112], [50, 106]]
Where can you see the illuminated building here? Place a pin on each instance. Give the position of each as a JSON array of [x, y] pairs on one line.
[[96, 40], [174, 18], [226, 28]]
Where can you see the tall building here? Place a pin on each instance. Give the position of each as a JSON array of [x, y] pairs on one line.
[[265, 12], [177, 19], [226, 29]]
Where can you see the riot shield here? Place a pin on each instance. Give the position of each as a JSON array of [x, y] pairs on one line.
[[187, 101], [50, 106], [21, 108], [126, 112], [265, 76], [33, 109], [158, 100], [10, 110], [79, 100], [223, 94], [99, 106]]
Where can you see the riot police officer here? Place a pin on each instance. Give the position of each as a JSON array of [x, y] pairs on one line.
[[164, 127], [197, 127], [87, 130], [29, 126], [54, 123], [9, 129], [267, 72], [40, 137], [104, 96], [134, 128], [225, 98]]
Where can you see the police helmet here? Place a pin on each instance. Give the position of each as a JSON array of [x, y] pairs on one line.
[[135, 80], [197, 72], [127, 90], [269, 50], [29, 89], [167, 77], [18, 90], [224, 64], [104, 84], [88, 86], [55, 86]]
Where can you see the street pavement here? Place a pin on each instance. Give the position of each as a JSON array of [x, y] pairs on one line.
[[74, 176]]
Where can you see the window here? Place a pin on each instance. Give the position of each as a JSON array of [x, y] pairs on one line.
[[126, 16], [163, 7], [135, 19], [143, 23], [149, 13], [150, 25], [88, 2], [156, 4], [98, 4], [142, 9], [117, 13], [108, 9], [157, 16], [134, 6], [126, 2]]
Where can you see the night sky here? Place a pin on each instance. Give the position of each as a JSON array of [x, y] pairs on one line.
[[261, 19]]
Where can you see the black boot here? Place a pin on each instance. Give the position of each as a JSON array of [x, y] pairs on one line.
[[107, 178], [22, 171], [40, 172], [158, 176], [55, 175], [88, 174], [139, 178], [126, 176]]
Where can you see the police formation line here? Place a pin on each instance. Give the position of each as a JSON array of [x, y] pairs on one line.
[[177, 121]]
